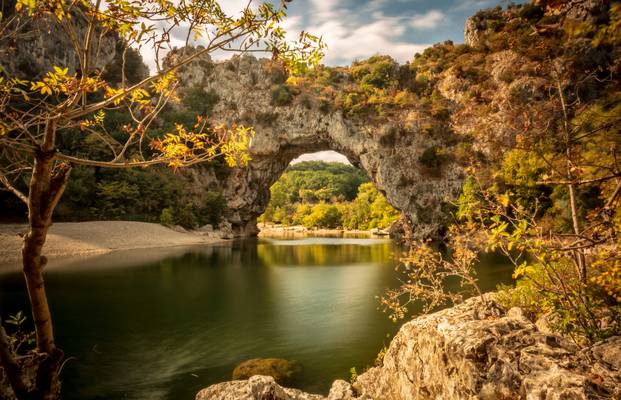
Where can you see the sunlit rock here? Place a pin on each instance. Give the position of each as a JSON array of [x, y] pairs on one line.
[[256, 388], [389, 153]]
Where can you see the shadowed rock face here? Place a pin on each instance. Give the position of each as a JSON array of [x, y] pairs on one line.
[[42, 43], [388, 153]]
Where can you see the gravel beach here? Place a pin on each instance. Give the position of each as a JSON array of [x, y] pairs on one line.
[[96, 237]]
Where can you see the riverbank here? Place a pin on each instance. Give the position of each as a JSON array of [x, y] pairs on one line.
[[98, 237], [297, 231]]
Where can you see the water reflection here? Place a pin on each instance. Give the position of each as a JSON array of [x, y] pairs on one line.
[[162, 324], [324, 251], [165, 329]]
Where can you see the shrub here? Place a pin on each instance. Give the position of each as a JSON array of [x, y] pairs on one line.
[[306, 101], [323, 216], [325, 106], [495, 25], [213, 207], [276, 72], [114, 199], [376, 72], [199, 100], [431, 157], [531, 12], [167, 217], [281, 95]]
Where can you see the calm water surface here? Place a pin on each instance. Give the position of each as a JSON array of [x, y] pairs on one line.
[[162, 324]]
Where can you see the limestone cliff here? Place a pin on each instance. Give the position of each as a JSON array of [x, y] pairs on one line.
[[388, 152], [38, 44]]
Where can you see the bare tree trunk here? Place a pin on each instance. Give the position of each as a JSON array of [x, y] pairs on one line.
[[47, 185], [576, 225], [11, 367], [579, 254]]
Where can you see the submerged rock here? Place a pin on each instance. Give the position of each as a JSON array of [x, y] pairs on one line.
[[283, 371], [475, 350]]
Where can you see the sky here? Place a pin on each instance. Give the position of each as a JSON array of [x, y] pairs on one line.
[[357, 29]]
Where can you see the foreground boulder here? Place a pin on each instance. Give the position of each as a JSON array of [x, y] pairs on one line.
[[283, 371], [475, 350], [256, 388]]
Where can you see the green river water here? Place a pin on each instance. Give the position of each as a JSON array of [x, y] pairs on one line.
[[162, 324]]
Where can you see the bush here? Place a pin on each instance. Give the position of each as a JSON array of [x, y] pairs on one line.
[[199, 100], [211, 212], [325, 106], [376, 72], [531, 12], [167, 217], [281, 95], [186, 217], [431, 157], [114, 199]]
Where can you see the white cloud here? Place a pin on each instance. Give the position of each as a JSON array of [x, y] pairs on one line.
[[347, 42], [322, 156], [349, 38], [349, 35], [429, 20]]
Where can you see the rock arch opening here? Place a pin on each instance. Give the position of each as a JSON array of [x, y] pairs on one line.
[[389, 152], [325, 191]]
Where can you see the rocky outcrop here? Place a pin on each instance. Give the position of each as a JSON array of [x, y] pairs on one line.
[[42, 44], [475, 350], [472, 32], [389, 153]]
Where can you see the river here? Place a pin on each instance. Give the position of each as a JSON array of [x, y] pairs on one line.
[[162, 324]]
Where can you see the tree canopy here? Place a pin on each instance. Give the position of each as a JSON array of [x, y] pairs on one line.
[[320, 194]]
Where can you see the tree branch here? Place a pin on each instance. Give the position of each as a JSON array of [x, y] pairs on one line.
[[580, 182], [5, 181]]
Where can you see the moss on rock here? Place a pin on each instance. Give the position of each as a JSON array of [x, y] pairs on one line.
[[283, 371]]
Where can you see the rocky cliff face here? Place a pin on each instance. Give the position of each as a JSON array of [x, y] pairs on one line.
[[475, 350], [283, 132], [40, 43], [468, 100]]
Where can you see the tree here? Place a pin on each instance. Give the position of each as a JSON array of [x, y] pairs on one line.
[[547, 192], [75, 98], [323, 216]]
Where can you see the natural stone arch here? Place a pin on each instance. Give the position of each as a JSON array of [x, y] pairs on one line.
[[389, 153]]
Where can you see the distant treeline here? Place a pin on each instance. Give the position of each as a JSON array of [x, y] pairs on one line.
[[320, 194], [155, 194]]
